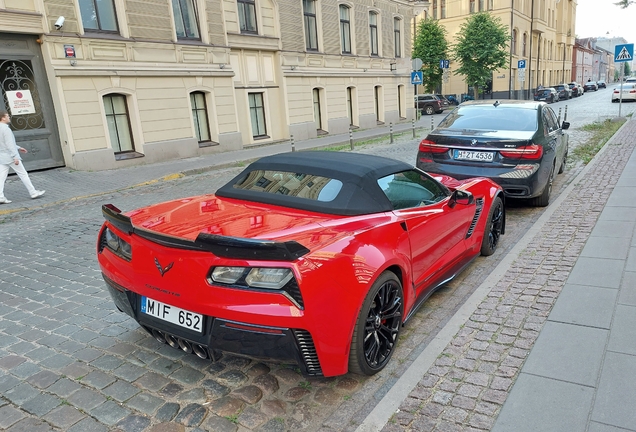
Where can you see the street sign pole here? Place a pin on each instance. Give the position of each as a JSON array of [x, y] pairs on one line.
[[622, 53]]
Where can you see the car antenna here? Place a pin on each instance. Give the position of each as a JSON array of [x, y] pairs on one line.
[[496, 103]]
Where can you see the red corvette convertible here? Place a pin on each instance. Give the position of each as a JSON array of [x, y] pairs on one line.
[[317, 258]]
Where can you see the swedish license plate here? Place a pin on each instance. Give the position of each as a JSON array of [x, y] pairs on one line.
[[172, 314], [473, 155]]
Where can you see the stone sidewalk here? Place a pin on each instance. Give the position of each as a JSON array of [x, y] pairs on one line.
[[514, 365]]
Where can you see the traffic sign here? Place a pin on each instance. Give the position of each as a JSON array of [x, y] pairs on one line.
[[444, 64], [624, 53], [417, 64], [521, 64], [521, 75], [416, 77]]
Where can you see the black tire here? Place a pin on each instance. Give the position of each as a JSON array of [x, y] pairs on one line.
[[544, 199], [429, 110], [378, 326], [565, 159], [494, 226]]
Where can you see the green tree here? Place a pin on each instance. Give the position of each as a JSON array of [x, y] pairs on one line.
[[617, 75], [628, 69], [481, 48], [624, 3], [430, 46]]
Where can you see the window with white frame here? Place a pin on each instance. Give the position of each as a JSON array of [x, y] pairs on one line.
[[98, 15], [442, 8], [185, 19], [345, 29], [397, 36], [247, 16], [513, 42], [373, 32], [471, 6], [257, 115], [524, 42], [118, 122], [434, 9], [200, 116], [311, 26]]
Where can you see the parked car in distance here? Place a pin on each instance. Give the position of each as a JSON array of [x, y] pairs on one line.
[[630, 80], [601, 84], [548, 94], [564, 91], [518, 144], [629, 92], [590, 85], [429, 104], [445, 102], [315, 258], [576, 89]]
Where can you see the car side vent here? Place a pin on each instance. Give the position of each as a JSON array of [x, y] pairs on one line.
[[479, 205], [308, 352], [294, 291]]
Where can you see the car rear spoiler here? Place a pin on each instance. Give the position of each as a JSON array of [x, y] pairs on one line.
[[222, 246]]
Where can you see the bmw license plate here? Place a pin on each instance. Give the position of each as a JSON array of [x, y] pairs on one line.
[[172, 314], [473, 155]]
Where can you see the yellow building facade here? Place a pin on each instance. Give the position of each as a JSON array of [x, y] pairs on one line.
[[542, 37], [115, 83]]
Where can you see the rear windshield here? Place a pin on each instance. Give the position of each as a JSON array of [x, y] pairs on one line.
[[300, 185], [489, 117]]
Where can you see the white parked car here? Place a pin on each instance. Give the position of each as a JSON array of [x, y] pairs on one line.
[[629, 92]]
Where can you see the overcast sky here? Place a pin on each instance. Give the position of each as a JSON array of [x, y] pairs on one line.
[[594, 18]]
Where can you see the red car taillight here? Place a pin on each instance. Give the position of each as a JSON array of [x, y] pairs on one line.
[[430, 147], [616, 91], [632, 91], [533, 151]]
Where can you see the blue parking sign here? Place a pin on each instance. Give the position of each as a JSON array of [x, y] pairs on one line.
[[521, 64]]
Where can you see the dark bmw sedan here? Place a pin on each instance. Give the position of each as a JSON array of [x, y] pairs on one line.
[[518, 144]]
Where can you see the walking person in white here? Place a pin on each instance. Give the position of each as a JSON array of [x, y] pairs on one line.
[[10, 158]]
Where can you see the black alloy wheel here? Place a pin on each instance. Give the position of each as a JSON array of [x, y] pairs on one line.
[[494, 227], [378, 326], [544, 199]]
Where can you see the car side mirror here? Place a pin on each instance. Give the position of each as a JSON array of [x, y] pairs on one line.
[[461, 197], [566, 125]]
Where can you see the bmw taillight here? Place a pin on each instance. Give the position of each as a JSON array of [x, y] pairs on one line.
[[616, 91], [430, 147], [533, 151]]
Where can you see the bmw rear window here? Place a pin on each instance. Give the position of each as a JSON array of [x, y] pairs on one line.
[[489, 117], [308, 186]]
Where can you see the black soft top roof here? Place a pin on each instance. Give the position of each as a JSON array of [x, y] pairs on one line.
[[360, 193]]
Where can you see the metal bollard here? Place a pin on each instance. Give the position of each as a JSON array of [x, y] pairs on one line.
[[413, 126], [565, 115], [432, 123], [559, 116], [351, 138], [291, 137], [391, 131]]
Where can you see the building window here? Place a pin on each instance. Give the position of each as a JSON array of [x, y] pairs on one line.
[[513, 42], [345, 30], [317, 113], [373, 29], [200, 116], [434, 9], [490, 5], [185, 19], [443, 9], [481, 5], [525, 40], [311, 32], [257, 115], [118, 123], [247, 15], [471, 4], [397, 36], [98, 15]]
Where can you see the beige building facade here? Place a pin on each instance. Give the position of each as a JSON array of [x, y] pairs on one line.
[[113, 83], [542, 35]]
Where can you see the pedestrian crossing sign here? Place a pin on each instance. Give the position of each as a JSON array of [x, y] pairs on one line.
[[624, 53], [416, 77]]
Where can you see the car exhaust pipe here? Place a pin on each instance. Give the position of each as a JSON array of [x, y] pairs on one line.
[[200, 351], [185, 346], [158, 335], [172, 341]]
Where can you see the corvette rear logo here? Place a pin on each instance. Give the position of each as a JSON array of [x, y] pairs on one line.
[[163, 270]]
